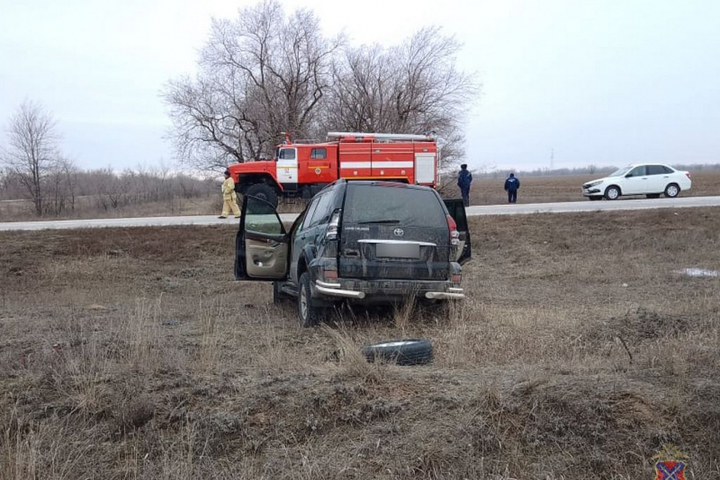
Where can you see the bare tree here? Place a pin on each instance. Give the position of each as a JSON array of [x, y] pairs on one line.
[[412, 88], [33, 150], [259, 75]]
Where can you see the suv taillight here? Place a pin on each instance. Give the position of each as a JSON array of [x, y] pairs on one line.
[[332, 229], [454, 234]]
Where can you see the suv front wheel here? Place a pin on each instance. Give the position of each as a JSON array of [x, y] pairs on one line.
[[309, 314]]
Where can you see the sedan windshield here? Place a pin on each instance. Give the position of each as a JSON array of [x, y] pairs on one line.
[[620, 172]]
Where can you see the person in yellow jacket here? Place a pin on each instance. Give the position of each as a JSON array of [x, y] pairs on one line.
[[229, 197]]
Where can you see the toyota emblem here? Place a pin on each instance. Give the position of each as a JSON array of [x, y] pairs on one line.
[[399, 232]]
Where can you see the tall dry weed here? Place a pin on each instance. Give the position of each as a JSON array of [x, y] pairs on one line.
[[34, 450], [404, 313], [78, 361], [142, 334], [211, 317], [271, 353], [351, 361]]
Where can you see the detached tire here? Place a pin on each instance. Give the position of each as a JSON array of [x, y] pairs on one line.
[[401, 352], [263, 191]]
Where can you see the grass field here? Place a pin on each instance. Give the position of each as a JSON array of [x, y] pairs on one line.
[[87, 207], [130, 353]]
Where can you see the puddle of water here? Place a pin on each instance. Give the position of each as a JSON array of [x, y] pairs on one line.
[[698, 272]]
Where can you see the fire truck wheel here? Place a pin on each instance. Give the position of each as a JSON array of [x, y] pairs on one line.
[[263, 191]]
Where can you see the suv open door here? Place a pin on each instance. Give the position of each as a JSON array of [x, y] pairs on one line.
[[456, 207], [262, 245]]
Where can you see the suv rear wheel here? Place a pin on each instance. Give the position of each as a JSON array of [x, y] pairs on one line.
[[309, 314]]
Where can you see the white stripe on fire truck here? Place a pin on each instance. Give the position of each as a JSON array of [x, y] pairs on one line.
[[355, 164], [376, 164], [382, 164]]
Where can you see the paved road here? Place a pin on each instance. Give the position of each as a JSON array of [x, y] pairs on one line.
[[563, 207]]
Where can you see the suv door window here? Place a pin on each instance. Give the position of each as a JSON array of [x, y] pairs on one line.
[[321, 214], [261, 245], [308, 215]]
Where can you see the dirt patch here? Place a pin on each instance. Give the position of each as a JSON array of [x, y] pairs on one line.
[[640, 324]]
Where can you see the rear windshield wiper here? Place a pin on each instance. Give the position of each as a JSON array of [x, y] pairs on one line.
[[378, 221]]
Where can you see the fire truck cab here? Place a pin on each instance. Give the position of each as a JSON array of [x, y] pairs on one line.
[[303, 169]]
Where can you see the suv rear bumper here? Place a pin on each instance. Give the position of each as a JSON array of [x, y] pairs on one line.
[[379, 289]]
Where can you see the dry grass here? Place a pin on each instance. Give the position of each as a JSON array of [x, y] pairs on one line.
[[132, 354], [87, 207]]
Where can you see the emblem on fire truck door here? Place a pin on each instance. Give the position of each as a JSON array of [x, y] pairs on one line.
[[318, 171]]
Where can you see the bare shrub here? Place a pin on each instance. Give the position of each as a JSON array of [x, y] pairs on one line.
[[33, 152]]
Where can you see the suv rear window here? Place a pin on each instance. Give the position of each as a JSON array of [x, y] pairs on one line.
[[382, 203]]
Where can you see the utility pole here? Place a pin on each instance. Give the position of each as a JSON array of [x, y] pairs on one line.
[[552, 158]]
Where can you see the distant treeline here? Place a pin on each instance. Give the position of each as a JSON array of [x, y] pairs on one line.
[[104, 188]]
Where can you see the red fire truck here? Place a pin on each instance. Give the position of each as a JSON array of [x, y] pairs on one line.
[[303, 169]]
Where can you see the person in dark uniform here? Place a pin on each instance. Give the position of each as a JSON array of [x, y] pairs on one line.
[[464, 181], [512, 185]]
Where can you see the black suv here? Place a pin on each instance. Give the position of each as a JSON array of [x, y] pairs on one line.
[[357, 241]]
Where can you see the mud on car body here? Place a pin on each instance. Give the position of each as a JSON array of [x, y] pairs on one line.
[[357, 241]]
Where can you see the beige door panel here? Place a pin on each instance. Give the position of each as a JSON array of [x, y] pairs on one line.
[[265, 258]]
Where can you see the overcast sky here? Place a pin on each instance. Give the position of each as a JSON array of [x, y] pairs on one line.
[[604, 82]]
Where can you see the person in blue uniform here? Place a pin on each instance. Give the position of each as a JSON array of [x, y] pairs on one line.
[[464, 181], [512, 185]]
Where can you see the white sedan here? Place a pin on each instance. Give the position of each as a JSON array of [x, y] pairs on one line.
[[650, 179]]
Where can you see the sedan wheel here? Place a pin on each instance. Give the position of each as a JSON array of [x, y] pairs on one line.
[[612, 193], [672, 191]]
